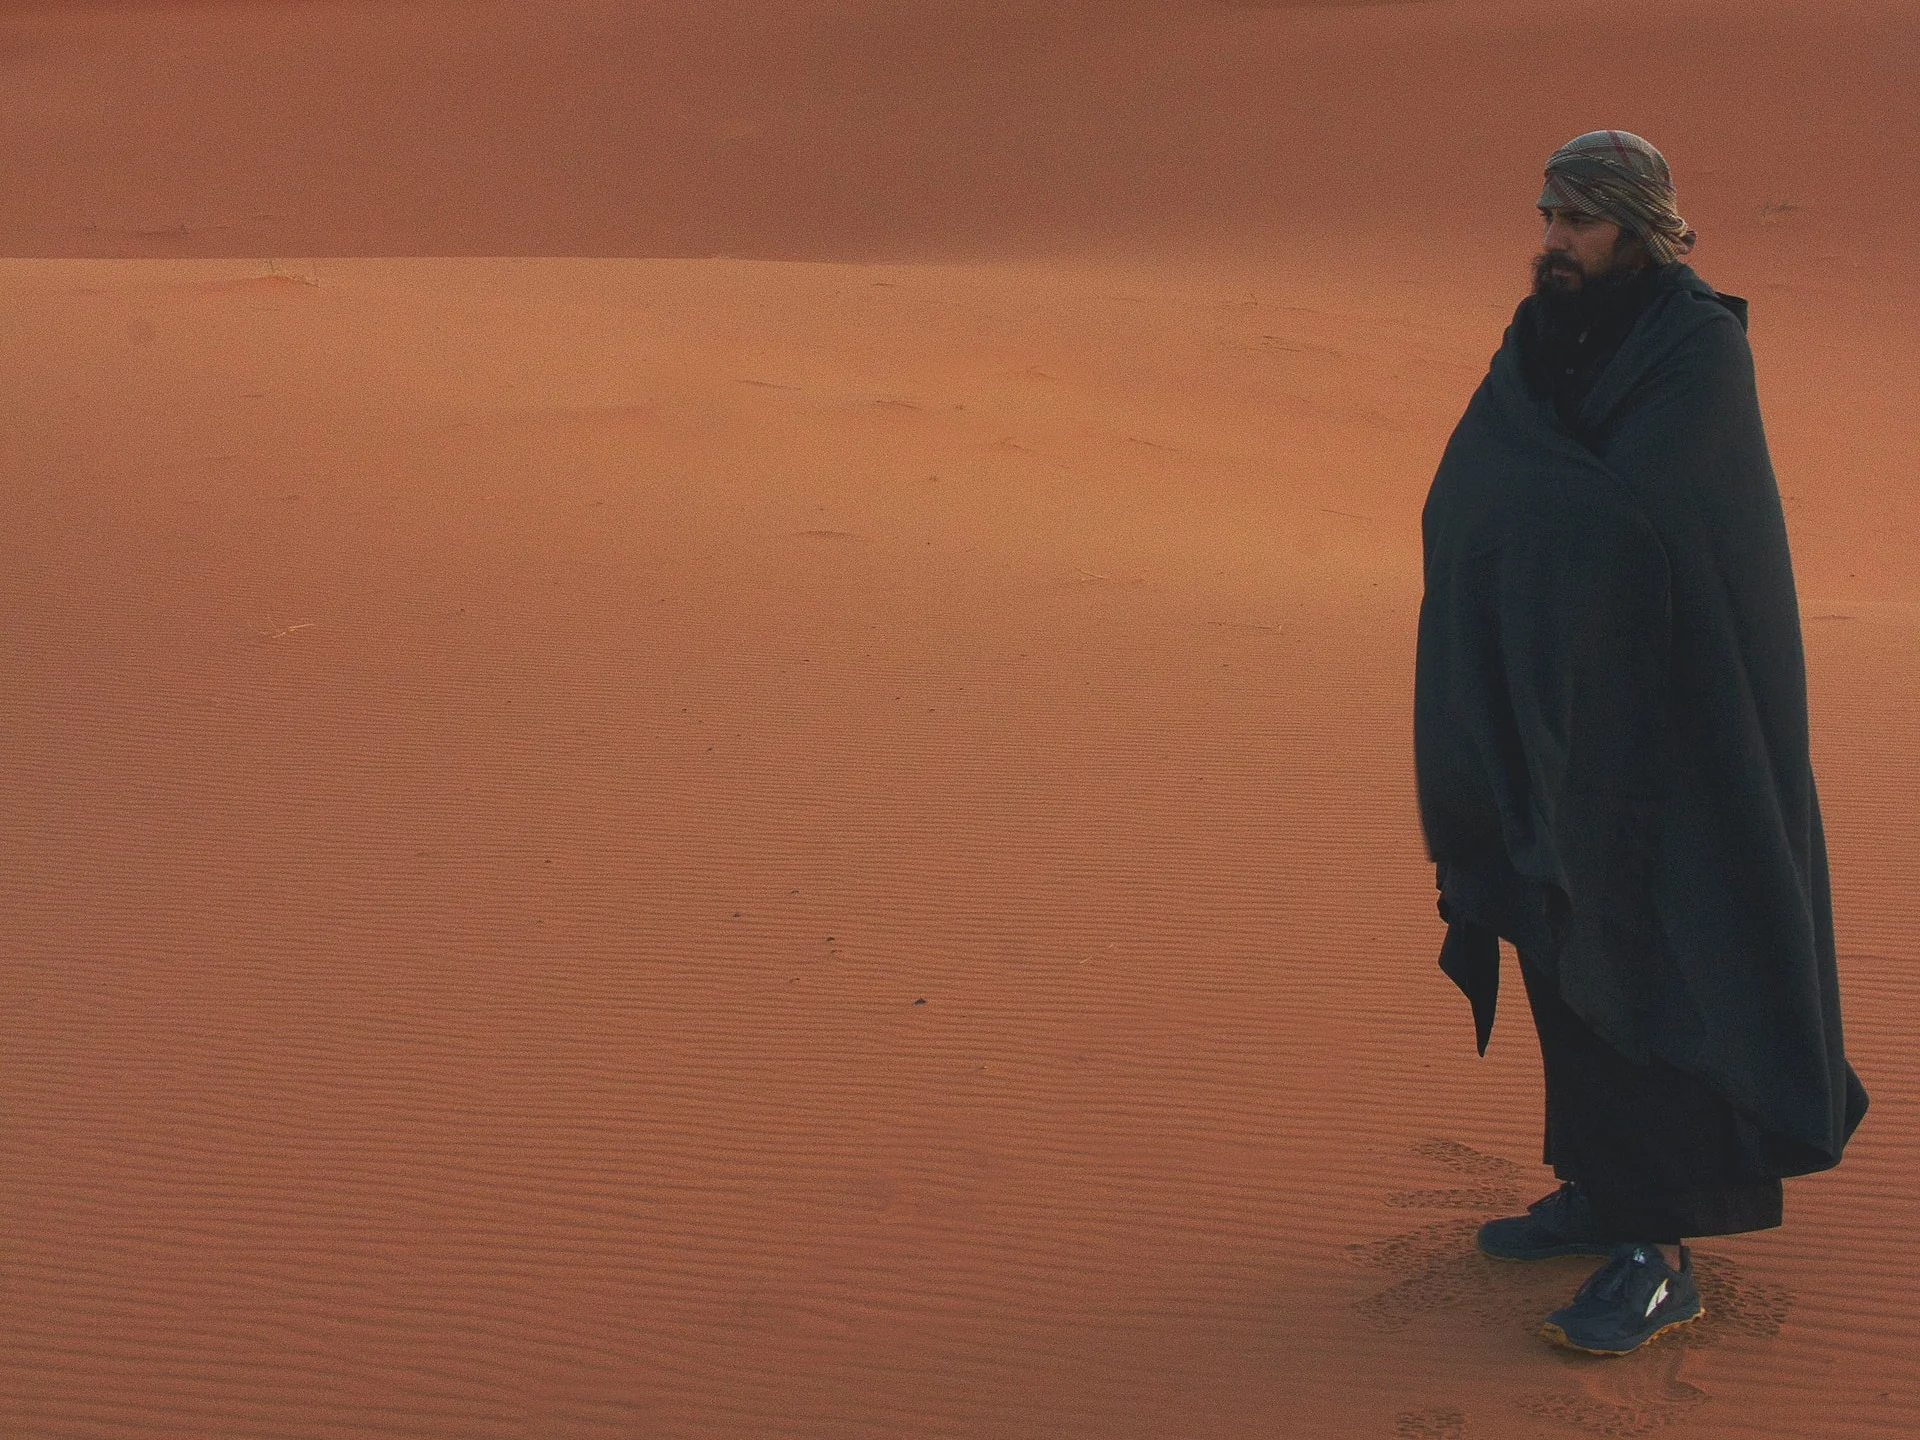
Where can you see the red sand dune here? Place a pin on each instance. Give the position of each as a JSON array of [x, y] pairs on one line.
[[706, 713]]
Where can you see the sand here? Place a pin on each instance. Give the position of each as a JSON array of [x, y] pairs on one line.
[[706, 713]]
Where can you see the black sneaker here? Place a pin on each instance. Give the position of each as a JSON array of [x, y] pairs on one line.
[[1628, 1301], [1556, 1224]]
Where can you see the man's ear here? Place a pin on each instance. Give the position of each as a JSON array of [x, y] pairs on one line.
[[1630, 252]]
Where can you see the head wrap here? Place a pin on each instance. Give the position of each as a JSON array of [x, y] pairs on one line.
[[1617, 176]]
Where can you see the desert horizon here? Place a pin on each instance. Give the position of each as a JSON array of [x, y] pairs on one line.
[[708, 713]]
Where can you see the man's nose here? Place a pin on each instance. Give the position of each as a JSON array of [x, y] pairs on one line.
[[1558, 237]]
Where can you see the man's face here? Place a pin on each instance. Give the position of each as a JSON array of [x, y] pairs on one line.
[[1576, 248]]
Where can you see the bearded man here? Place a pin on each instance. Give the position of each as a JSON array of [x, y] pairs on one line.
[[1610, 733]]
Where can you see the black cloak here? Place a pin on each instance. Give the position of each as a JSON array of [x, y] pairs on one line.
[[1610, 721]]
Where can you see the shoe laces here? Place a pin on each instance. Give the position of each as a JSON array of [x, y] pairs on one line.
[[1615, 1278]]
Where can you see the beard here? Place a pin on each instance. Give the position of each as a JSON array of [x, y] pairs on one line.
[[1557, 274], [1572, 295]]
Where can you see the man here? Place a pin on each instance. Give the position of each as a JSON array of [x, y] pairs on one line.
[[1610, 732]]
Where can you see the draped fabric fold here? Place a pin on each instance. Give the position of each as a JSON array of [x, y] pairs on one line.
[[1611, 726]]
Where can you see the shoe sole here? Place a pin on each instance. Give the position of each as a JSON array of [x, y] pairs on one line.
[[1554, 1335]]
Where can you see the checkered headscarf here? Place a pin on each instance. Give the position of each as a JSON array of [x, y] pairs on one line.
[[1618, 176]]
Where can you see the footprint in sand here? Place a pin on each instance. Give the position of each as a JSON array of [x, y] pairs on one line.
[[1439, 1270], [1430, 1425], [1498, 1187], [1490, 1198], [1738, 1306], [1436, 1267], [1622, 1398], [1465, 1160]]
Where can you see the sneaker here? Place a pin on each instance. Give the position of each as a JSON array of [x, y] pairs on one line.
[[1628, 1301], [1556, 1224]]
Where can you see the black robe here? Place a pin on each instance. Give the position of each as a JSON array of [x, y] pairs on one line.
[[1610, 721]]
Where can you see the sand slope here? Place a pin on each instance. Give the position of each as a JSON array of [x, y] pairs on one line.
[[821, 843]]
